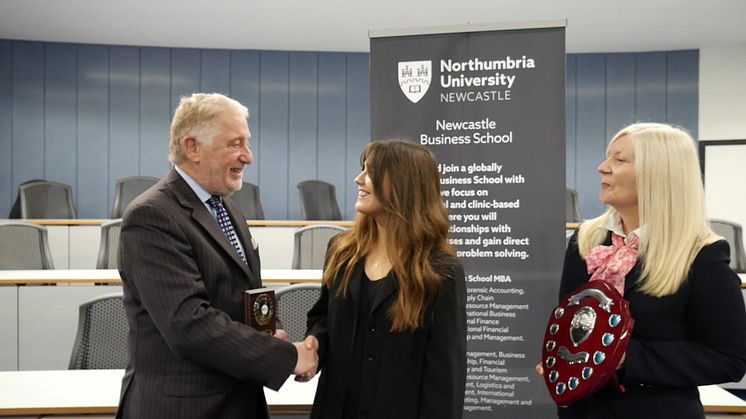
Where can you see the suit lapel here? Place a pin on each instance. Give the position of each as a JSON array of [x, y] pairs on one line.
[[387, 288], [202, 216]]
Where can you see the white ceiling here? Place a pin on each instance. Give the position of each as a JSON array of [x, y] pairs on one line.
[[342, 25]]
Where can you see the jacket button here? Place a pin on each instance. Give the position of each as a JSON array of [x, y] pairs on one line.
[[371, 357], [372, 329]]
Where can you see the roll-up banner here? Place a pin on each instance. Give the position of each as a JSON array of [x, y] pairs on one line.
[[489, 101]]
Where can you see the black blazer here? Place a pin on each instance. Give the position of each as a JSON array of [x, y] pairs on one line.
[[411, 375], [189, 354], [696, 336]]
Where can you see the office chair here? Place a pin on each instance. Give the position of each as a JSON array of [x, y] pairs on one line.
[[108, 249], [572, 210], [318, 200], [101, 340], [15, 210], [309, 247], [127, 189], [45, 199], [733, 233], [24, 246], [293, 303], [248, 201]]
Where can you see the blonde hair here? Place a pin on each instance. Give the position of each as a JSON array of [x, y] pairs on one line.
[[671, 207], [406, 181], [193, 118]]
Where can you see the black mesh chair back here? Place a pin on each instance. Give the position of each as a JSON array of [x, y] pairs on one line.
[[293, 303], [101, 341], [733, 233], [24, 246], [45, 199], [318, 201], [108, 249], [127, 189], [248, 201], [572, 209], [309, 247]]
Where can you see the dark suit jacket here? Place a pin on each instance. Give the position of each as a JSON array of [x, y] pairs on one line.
[[418, 374], [190, 355], [696, 336]]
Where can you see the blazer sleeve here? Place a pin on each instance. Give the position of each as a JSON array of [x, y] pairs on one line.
[[157, 260], [715, 350], [444, 378]]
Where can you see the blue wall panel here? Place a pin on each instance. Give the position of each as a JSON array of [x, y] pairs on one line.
[[88, 116], [332, 140], [273, 134], [303, 125], [651, 87], [124, 115], [60, 111], [245, 89], [28, 112], [155, 110], [186, 73], [7, 194], [91, 190], [570, 119], [620, 92], [591, 128], [216, 72], [358, 127], [682, 90]]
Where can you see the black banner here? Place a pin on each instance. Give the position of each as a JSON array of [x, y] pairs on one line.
[[490, 103]]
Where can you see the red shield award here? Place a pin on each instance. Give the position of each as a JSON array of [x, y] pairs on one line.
[[586, 337]]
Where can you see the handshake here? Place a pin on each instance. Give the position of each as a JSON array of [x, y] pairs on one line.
[[308, 358]]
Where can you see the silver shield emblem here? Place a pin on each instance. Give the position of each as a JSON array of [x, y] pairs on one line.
[[414, 78], [582, 325]]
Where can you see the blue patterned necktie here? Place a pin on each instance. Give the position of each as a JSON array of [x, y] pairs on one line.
[[225, 223]]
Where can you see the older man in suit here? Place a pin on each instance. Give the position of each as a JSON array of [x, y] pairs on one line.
[[186, 258]]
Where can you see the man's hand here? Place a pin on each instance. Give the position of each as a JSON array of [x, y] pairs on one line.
[[281, 334], [310, 344]]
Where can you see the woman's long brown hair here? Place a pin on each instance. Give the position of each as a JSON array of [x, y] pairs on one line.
[[406, 182]]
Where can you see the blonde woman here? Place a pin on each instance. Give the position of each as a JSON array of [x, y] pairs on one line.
[[390, 325], [655, 246]]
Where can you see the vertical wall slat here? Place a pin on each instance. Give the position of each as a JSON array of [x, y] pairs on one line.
[[273, 163], [620, 92], [28, 112], [155, 110], [682, 90], [651, 87], [245, 89], [216, 70], [332, 139], [7, 192], [124, 115], [302, 126], [570, 125], [358, 126], [591, 130], [60, 98], [93, 131], [186, 68]]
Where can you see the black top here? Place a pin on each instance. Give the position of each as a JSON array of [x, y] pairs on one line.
[[352, 397], [696, 336]]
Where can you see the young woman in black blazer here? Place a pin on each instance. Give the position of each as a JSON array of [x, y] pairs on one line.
[[390, 326], [690, 324]]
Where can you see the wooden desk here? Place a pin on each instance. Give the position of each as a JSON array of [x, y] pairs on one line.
[[111, 276], [97, 392], [255, 223], [70, 392]]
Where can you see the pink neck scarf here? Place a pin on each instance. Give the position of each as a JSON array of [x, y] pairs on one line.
[[613, 263]]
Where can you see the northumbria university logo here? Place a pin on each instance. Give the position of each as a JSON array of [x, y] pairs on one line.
[[414, 78]]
